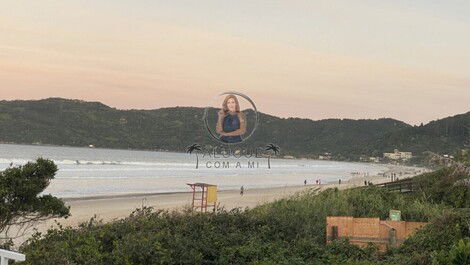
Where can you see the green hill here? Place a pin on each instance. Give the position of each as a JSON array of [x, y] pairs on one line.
[[60, 121], [441, 136]]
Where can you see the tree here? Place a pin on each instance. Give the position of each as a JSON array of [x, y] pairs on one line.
[[21, 207]]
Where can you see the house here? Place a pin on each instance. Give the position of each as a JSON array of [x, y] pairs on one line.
[[397, 155]]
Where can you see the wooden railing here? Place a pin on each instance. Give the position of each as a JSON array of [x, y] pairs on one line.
[[6, 255], [403, 185]]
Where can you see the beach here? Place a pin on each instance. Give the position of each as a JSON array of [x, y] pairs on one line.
[[110, 184], [109, 208]]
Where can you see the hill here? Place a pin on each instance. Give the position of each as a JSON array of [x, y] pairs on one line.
[[59, 121], [441, 136]]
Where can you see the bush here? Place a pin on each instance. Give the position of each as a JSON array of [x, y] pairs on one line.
[[442, 186], [287, 231], [457, 255]]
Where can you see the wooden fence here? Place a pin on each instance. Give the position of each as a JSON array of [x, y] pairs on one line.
[[361, 231]]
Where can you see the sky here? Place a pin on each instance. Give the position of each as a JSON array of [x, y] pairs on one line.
[[402, 59]]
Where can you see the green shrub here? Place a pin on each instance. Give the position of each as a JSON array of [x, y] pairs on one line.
[[287, 231], [442, 186]]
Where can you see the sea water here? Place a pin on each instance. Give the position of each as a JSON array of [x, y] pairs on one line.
[[84, 171]]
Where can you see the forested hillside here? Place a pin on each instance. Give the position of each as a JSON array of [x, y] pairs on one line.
[[60, 121]]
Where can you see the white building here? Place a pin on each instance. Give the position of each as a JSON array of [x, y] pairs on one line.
[[397, 155]]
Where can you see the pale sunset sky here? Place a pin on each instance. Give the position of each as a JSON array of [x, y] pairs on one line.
[[404, 59]]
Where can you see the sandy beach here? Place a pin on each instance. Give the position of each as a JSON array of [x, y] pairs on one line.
[[112, 207], [115, 207]]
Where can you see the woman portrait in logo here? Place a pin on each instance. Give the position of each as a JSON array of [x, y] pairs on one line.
[[231, 123]]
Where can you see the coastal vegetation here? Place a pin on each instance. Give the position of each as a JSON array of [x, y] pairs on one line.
[[21, 203], [287, 231]]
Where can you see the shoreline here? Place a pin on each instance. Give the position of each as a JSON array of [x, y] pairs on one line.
[[184, 152], [112, 208], [150, 194], [407, 171], [108, 208]]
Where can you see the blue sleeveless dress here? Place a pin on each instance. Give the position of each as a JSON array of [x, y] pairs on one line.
[[230, 124]]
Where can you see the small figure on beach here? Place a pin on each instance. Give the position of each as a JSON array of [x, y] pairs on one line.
[[242, 190], [305, 182], [316, 181], [231, 123], [339, 181], [365, 182]]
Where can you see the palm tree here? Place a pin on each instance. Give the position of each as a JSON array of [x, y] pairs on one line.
[[274, 148], [194, 147]]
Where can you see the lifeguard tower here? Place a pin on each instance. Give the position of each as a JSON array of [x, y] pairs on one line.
[[204, 195]]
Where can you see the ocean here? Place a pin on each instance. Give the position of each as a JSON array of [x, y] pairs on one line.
[[85, 172]]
